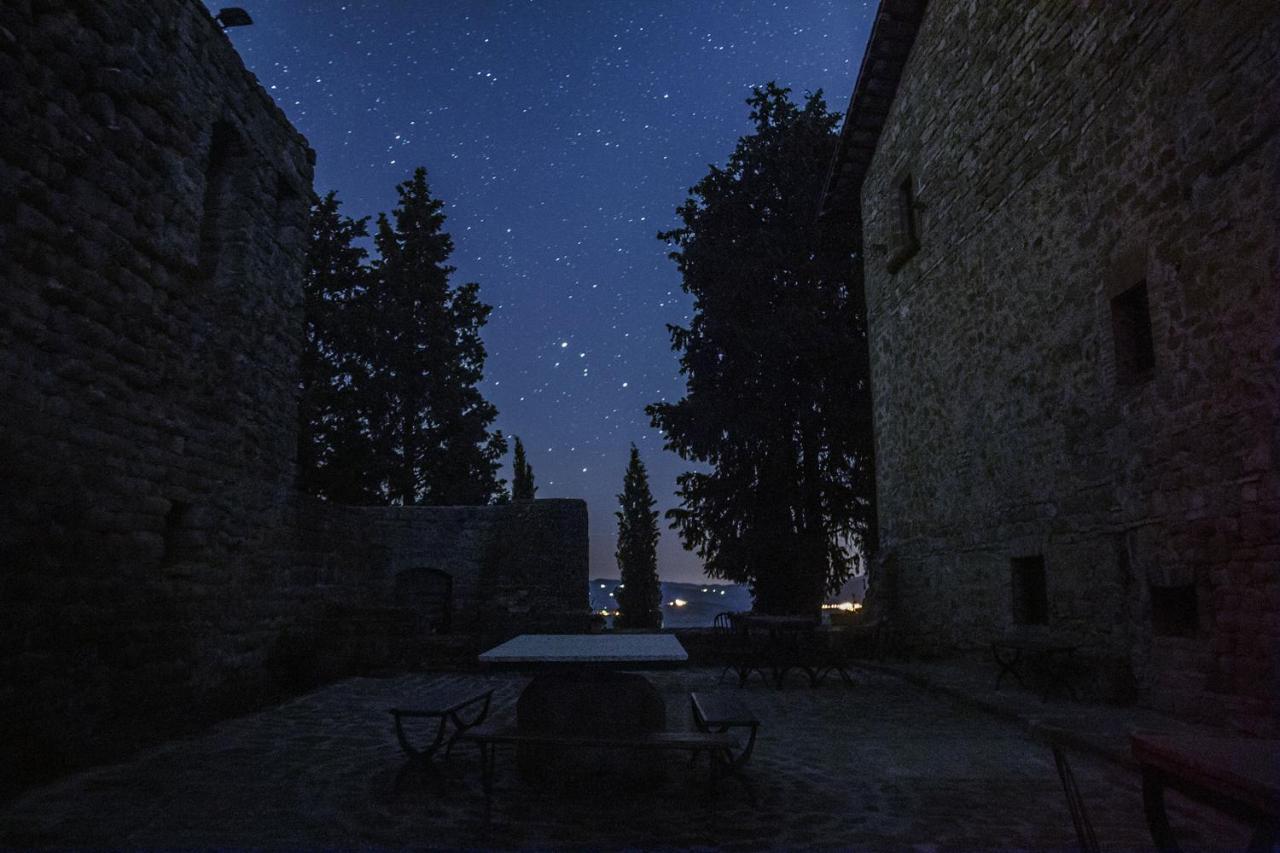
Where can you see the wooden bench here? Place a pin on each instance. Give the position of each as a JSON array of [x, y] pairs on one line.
[[456, 711], [718, 713], [718, 746]]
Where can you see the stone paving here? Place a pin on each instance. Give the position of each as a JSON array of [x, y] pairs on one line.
[[881, 765]]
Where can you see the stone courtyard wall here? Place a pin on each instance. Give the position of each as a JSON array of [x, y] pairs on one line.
[[1059, 154], [157, 566]]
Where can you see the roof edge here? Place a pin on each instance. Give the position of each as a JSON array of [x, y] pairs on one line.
[[883, 61]]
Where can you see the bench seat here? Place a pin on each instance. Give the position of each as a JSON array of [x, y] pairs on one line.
[[718, 745], [720, 712]]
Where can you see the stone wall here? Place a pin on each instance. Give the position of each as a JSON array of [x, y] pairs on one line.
[[1054, 157], [157, 567], [515, 568], [148, 350]]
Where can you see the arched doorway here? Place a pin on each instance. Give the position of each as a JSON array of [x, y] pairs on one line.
[[429, 592]]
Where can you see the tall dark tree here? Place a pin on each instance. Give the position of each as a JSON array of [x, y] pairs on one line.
[[334, 455], [429, 423], [639, 593], [774, 359], [522, 487]]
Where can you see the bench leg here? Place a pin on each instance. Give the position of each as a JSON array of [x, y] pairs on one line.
[[1153, 805], [713, 778], [460, 725], [723, 761], [405, 769], [425, 769], [487, 760], [1008, 665]]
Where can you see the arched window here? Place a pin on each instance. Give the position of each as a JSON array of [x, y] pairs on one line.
[[228, 159]]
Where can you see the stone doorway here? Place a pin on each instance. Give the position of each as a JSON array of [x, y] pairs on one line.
[[429, 593]]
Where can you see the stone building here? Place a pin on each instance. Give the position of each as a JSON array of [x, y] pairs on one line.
[[157, 565], [1069, 239]]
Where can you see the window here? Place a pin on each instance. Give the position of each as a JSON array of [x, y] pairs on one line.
[[905, 240], [227, 159], [1131, 327], [175, 525], [1174, 611], [1030, 595]]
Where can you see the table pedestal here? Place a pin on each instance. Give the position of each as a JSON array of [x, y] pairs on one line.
[[589, 702]]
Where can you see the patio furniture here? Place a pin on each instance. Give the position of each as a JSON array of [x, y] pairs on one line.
[[1238, 776], [724, 641], [718, 746], [775, 645], [718, 713], [1075, 803], [1051, 660], [454, 711], [836, 648], [584, 685], [587, 652]]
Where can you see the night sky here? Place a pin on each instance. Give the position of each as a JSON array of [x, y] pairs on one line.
[[561, 136]]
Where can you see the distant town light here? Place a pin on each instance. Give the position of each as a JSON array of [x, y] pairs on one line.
[[679, 602], [847, 606]]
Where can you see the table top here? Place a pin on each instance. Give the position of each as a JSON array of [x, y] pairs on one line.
[[1246, 769], [588, 649]]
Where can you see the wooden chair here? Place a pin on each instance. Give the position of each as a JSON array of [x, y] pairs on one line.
[[723, 631]]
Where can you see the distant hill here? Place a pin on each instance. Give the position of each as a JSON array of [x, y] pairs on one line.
[[700, 602]]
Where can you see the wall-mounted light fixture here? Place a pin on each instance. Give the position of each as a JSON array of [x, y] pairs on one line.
[[233, 16]]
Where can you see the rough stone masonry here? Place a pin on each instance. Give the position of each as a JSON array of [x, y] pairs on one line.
[[1070, 249], [156, 562]]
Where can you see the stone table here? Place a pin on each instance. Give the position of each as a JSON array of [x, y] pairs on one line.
[[580, 689]]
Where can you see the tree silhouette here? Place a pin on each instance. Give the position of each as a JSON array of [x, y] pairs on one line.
[[774, 359], [389, 411], [522, 487], [335, 458], [429, 424], [639, 594]]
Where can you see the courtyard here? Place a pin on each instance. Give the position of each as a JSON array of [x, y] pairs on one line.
[[882, 764]]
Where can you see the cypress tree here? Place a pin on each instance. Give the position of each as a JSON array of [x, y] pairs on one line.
[[522, 487], [334, 455], [429, 423], [639, 593]]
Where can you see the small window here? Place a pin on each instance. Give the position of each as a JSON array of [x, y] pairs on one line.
[[905, 240], [1030, 595], [1174, 611], [1131, 327], [227, 159], [175, 525]]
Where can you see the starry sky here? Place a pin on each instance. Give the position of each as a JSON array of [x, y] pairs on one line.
[[561, 134]]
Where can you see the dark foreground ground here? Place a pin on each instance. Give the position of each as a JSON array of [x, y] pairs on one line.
[[883, 765]]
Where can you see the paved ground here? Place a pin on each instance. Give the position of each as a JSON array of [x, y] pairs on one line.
[[1093, 727], [884, 765]]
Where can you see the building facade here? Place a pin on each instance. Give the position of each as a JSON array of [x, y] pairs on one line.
[[1070, 246]]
